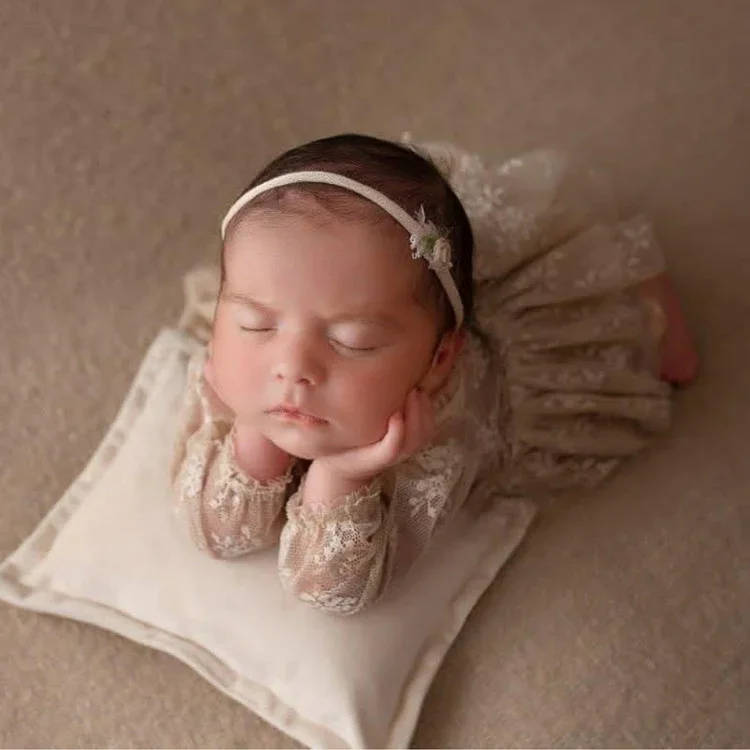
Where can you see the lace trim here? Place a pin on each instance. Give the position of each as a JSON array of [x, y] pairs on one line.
[[355, 507]]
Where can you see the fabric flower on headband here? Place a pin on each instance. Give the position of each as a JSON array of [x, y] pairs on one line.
[[428, 243]]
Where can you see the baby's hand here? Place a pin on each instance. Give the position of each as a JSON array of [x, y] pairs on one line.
[[408, 431]]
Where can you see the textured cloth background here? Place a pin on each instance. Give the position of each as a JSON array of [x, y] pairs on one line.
[[127, 127]]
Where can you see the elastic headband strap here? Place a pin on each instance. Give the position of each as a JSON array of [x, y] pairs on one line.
[[419, 229]]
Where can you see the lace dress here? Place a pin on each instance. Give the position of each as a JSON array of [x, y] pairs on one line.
[[554, 388]]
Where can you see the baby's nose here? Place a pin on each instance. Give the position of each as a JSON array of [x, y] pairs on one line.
[[298, 365], [297, 378]]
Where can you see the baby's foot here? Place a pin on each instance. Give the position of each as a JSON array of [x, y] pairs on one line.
[[679, 358]]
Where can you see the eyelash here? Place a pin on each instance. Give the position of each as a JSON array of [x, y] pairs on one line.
[[354, 349], [338, 344]]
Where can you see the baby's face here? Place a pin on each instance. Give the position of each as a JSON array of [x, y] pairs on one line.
[[319, 335]]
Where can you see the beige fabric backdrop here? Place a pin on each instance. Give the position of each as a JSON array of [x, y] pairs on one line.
[[125, 129]]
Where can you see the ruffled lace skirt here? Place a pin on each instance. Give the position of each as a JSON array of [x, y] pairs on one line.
[[576, 345]]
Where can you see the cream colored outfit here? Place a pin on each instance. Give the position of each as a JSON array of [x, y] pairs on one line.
[[552, 391]]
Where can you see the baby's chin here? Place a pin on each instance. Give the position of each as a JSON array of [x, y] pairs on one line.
[[309, 446]]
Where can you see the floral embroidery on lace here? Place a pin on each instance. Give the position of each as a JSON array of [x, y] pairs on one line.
[[234, 545], [192, 475], [439, 469], [338, 539], [430, 497]]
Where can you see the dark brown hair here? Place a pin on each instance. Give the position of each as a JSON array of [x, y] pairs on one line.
[[400, 172]]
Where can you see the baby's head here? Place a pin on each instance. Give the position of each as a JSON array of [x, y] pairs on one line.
[[325, 320]]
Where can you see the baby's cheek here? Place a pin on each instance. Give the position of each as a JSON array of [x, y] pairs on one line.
[[235, 379], [371, 402]]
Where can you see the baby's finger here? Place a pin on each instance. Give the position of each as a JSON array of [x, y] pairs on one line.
[[371, 459], [413, 408], [430, 422], [390, 446], [412, 419], [419, 423]]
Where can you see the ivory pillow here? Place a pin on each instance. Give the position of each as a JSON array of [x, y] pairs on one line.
[[111, 553]]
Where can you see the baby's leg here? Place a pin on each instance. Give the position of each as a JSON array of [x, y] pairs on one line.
[[679, 358]]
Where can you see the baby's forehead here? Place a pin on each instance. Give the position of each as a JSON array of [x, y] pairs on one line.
[[300, 239], [351, 263]]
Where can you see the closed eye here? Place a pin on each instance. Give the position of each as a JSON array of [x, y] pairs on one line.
[[355, 349], [255, 330]]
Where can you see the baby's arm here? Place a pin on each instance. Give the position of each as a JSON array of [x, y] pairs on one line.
[[341, 554], [229, 486], [338, 556]]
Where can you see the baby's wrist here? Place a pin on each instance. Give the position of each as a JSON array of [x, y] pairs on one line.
[[324, 484]]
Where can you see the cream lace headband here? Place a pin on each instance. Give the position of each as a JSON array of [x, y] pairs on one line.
[[424, 238]]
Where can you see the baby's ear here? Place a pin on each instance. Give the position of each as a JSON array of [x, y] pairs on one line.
[[443, 361]]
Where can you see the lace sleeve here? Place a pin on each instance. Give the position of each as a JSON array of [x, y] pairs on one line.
[[338, 558], [426, 492], [228, 513], [343, 559]]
